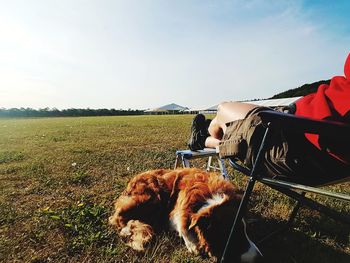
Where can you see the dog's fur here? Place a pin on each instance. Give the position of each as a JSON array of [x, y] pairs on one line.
[[199, 205]]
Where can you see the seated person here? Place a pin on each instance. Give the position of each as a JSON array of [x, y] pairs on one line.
[[237, 131]]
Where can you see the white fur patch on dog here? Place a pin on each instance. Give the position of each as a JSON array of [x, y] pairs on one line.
[[215, 199], [175, 223], [189, 239], [253, 252]]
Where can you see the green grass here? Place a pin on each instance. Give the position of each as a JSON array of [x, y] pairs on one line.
[[60, 176]]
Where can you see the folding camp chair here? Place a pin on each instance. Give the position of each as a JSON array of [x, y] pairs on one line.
[[185, 156], [295, 190]]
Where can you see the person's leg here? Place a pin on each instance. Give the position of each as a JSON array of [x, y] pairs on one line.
[[227, 112], [211, 142]]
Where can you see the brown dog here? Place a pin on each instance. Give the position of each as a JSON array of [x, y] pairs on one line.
[[199, 205]]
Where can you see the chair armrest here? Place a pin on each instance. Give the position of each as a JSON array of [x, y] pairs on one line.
[[306, 125]]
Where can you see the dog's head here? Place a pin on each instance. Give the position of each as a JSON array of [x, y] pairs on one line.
[[212, 222], [212, 225]]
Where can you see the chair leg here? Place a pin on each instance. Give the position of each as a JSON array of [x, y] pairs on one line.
[[181, 159], [292, 216], [247, 193], [241, 210], [344, 218], [209, 165], [294, 212], [223, 168], [177, 160], [185, 162]]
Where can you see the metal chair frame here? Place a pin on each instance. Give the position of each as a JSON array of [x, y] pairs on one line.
[[296, 191]]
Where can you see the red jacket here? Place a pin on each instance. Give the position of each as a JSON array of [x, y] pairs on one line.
[[329, 101]]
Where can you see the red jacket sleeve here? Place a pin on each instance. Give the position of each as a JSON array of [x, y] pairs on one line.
[[330, 101]]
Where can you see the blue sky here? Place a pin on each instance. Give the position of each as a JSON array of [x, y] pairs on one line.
[[144, 54]]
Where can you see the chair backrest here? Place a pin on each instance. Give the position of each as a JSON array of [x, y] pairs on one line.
[[329, 170], [306, 125]]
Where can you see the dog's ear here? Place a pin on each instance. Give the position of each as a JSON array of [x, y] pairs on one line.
[[193, 221], [199, 219]]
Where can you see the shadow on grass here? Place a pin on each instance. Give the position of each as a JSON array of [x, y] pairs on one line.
[[309, 240]]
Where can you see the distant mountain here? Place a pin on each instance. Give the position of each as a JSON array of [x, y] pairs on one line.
[[301, 91]]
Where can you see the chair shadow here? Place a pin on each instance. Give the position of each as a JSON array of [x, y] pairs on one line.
[[308, 240]]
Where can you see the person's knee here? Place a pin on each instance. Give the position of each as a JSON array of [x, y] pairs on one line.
[[215, 129], [212, 126], [222, 105]]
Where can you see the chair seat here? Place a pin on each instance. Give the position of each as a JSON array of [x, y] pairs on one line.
[[188, 154]]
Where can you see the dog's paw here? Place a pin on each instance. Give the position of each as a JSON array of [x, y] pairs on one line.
[[190, 243], [136, 235], [192, 248]]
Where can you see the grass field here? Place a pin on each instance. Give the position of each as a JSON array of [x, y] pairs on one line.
[[59, 177]]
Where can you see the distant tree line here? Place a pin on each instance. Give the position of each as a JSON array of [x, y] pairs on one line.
[[301, 91], [47, 112]]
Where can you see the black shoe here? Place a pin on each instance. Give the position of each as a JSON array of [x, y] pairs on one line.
[[199, 132], [207, 123]]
